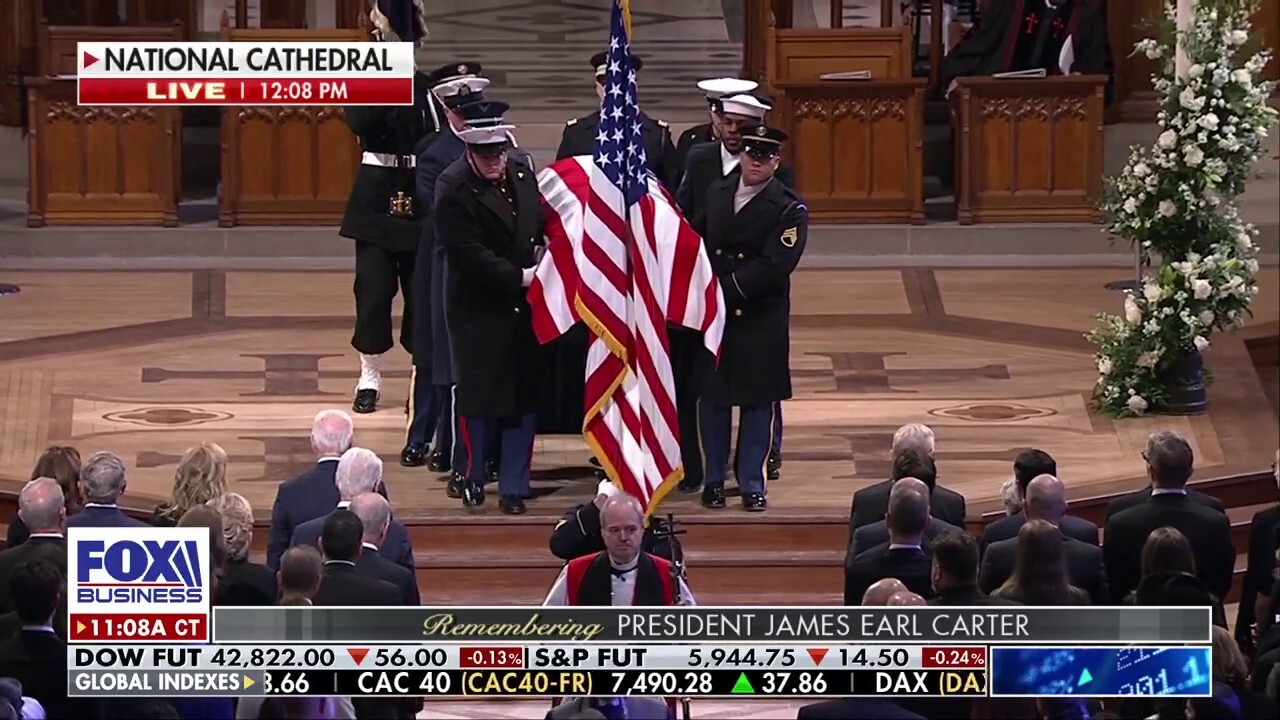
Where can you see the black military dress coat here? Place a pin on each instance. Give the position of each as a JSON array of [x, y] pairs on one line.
[[702, 169], [694, 136], [753, 253], [488, 241], [579, 138], [393, 131], [429, 322]]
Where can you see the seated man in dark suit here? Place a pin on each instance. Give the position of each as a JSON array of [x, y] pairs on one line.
[[36, 657], [102, 482], [312, 494], [1030, 464], [955, 572], [903, 557], [1261, 571], [341, 542], [1170, 463], [375, 515], [41, 507], [360, 471], [1045, 499], [870, 502], [908, 463]]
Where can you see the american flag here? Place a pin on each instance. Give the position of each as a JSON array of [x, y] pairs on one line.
[[623, 260]]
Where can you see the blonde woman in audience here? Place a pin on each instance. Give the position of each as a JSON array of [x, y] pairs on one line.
[[1040, 570], [243, 582], [62, 463], [1232, 669], [201, 476]]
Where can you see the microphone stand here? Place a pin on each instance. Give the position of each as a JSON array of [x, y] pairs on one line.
[[668, 532]]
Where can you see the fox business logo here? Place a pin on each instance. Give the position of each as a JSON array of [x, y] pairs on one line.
[[115, 567]]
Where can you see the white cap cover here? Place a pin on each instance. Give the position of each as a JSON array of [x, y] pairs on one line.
[[747, 105], [460, 85], [486, 135], [716, 88], [607, 488]]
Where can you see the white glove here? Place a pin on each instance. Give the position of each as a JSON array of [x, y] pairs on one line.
[[526, 277]]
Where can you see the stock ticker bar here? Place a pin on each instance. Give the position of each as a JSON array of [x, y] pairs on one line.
[[1087, 625], [529, 683], [218, 658]]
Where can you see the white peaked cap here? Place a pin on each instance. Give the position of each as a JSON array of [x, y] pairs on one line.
[[488, 135], [607, 488], [748, 105], [460, 85], [716, 88]]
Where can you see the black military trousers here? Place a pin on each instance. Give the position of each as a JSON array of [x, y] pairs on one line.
[[379, 273]]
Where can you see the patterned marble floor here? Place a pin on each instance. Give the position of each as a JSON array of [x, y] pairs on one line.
[[147, 364]]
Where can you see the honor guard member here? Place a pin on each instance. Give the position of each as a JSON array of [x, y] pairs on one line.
[[431, 385], [714, 89], [703, 166], [579, 136], [383, 215], [488, 217], [754, 228]]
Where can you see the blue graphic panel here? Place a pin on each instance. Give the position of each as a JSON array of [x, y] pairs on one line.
[[1100, 672]]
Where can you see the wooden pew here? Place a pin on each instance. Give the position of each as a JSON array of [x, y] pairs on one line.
[[1028, 150], [98, 165], [286, 165], [855, 147]]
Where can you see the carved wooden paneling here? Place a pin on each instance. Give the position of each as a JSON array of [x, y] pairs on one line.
[[856, 148], [286, 165], [79, 12], [351, 13], [806, 54], [283, 14], [164, 12], [100, 165], [17, 57], [1028, 150], [1130, 21]]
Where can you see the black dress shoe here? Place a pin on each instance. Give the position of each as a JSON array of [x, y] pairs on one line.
[[754, 502], [491, 471], [366, 401], [413, 455], [713, 498], [438, 462], [454, 488], [512, 505], [472, 495], [689, 487]]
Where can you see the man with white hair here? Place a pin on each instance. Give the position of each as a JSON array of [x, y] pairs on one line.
[[359, 471], [311, 494], [870, 503], [579, 532], [102, 482], [42, 507], [375, 515]]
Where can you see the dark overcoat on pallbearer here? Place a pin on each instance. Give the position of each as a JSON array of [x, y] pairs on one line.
[[430, 324], [702, 169], [489, 241], [694, 136], [579, 138], [394, 131], [753, 252]]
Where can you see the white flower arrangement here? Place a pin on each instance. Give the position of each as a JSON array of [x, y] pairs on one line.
[[1174, 201]]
